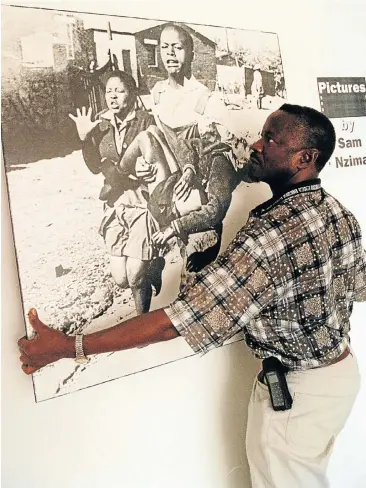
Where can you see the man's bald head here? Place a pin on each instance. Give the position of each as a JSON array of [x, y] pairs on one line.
[[184, 35], [176, 51]]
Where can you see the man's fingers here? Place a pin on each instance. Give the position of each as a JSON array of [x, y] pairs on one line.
[[36, 324], [147, 174], [21, 342], [23, 345], [83, 111], [72, 117], [157, 238], [89, 112], [78, 113], [29, 369], [187, 193], [147, 169], [181, 192], [178, 186]]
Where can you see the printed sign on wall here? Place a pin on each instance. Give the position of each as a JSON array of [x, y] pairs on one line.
[[344, 101], [342, 97], [349, 150]]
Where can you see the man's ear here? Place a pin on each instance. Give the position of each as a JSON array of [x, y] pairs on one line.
[[308, 157]]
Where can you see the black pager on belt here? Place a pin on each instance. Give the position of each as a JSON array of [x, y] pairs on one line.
[[275, 374]]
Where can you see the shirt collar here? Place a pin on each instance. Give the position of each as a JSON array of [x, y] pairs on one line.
[[121, 124], [302, 187]]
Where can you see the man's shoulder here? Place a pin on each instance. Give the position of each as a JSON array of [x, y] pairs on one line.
[[339, 212], [336, 205], [156, 91], [303, 216], [104, 116], [195, 84], [160, 84], [191, 84], [258, 229], [273, 228], [159, 87], [280, 214]]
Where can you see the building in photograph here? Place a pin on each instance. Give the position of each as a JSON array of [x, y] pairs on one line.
[[137, 52], [151, 68]]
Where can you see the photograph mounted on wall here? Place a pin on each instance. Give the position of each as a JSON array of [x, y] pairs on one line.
[[125, 145]]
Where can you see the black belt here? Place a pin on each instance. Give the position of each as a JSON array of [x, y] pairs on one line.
[[262, 379]]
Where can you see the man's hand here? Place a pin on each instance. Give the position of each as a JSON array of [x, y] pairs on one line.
[[185, 184], [198, 260], [83, 121], [162, 237], [47, 346], [145, 171]]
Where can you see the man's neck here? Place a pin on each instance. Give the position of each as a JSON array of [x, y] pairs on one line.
[[177, 81], [279, 188], [123, 115], [304, 185]]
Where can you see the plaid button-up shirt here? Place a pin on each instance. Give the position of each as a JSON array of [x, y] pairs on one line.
[[287, 282]]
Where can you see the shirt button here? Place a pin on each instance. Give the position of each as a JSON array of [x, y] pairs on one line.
[[124, 145]]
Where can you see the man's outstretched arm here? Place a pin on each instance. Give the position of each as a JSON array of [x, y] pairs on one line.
[[49, 345], [212, 307]]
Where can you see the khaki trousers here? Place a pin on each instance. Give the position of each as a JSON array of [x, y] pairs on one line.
[[291, 449]]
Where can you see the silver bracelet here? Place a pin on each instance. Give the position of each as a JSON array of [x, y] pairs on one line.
[[80, 357]]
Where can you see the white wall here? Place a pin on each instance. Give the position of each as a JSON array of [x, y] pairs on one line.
[[182, 425]]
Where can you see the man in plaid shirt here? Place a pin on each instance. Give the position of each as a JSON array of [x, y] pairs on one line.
[[287, 282]]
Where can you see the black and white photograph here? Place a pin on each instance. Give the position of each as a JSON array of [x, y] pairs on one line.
[[125, 143]]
